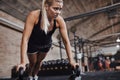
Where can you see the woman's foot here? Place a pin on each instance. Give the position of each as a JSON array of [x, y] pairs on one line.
[[35, 77]]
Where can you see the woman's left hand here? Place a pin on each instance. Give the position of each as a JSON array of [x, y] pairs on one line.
[[73, 64]]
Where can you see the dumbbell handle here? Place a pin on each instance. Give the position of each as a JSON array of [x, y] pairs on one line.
[[21, 73], [77, 70]]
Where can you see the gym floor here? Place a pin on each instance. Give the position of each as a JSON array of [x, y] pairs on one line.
[[99, 75]]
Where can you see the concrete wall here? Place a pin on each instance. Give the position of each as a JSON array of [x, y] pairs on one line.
[[9, 45], [9, 50]]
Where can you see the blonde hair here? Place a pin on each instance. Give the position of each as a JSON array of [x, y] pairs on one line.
[[44, 22]]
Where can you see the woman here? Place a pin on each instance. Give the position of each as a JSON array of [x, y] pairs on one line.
[[36, 39]]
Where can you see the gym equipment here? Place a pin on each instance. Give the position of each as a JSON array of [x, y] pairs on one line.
[[50, 68], [76, 74], [20, 74]]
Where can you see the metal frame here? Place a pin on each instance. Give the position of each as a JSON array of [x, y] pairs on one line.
[[97, 11]]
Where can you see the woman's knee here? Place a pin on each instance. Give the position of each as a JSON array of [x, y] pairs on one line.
[[32, 64], [38, 63]]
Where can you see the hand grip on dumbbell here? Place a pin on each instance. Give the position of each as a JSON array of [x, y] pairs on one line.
[[76, 71], [21, 73]]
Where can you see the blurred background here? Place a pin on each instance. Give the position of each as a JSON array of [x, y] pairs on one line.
[[93, 28]]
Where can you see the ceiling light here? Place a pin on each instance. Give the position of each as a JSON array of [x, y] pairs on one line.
[[118, 39], [118, 46]]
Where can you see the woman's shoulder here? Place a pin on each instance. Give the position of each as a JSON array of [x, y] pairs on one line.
[[34, 13], [60, 20]]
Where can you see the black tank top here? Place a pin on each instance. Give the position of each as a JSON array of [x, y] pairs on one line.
[[38, 38]]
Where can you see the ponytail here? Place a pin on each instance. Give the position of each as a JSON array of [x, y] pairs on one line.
[[45, 23]]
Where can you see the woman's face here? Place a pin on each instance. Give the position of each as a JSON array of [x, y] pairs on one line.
[[55, 9]]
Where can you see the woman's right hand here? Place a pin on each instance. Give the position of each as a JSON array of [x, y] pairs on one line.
[[21, 65]]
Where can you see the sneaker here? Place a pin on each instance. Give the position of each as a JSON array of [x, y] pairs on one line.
[[30, 78], [35, 77]]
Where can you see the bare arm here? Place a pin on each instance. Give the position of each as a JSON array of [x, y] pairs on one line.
[[26, 34], [66, 41]]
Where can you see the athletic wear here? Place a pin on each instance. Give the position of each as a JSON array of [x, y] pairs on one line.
[[35, 77], [39, 41], [29, 78]]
